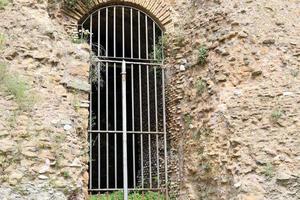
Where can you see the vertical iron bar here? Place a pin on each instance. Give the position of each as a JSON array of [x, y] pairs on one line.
[[146, 31], [91, 109], [107, 153], [132, 99], [123, 33], [99, 26], [99, 85], [91, 31], [125, 172], [106, 30], [164, 118], [165, 132], [115, 102], [154, 41], [140, 92], [125, 167], [148, 106], [80, 28], [156, 128], [156, 110]]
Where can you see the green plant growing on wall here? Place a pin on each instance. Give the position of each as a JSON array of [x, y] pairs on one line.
[[209, 169], [203, 131], [70, 3], [3, 3], [275, 115], [87, 2], [95, 70], [187, 118], [159, 50], [200, 86], [294, 72], [17, 87], [206, 166], [131, 196], [93, 120], [12, 119], [202, 55], [59, 138], [269, 170], [66, 174], [76, 103], [81, 36], [2, 41]]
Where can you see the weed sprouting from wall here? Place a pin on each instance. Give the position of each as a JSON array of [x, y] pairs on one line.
[[66, 174], [132, 196], [275, 115], [3, 3], [72, 3], [81, 36], [187, 118], [269, 170], [202, 132], [17, 87], [202, 55], [76, 102], [200, 86], [2, 40], [159, 50], [294, 72], [95, 71]]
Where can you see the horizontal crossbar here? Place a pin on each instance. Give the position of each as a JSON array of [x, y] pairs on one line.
[[127, 59], [129, 189], [130, 132], [130, 63]]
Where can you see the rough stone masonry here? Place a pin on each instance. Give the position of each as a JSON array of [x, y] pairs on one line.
[[43, 149], [233, 121]]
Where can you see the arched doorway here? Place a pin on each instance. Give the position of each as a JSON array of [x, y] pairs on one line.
[[125, 36]]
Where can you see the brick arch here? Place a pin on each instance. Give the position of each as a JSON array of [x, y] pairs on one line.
[[159, 10]]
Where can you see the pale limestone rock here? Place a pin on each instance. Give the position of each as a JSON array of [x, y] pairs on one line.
[[15, 177], [67, 127], [45, 168], [7, 145]]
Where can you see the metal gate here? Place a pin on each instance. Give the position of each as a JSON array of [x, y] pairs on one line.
[[127, 136]]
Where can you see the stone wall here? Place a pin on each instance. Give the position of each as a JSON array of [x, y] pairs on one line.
[[234, 121], [43, 120]]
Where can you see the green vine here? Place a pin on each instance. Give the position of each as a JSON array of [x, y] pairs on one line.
[[72, 3]]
